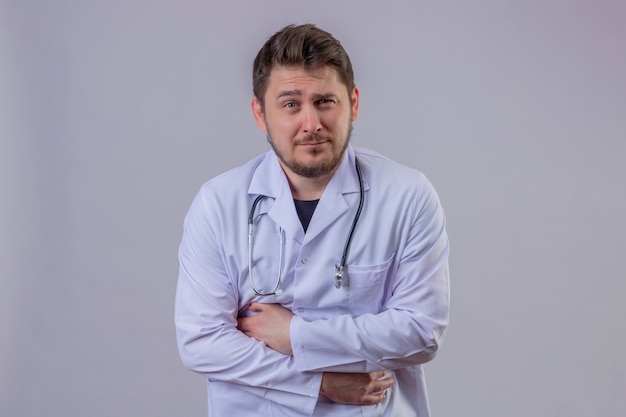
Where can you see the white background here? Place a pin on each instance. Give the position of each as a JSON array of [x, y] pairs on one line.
[[113, 113]]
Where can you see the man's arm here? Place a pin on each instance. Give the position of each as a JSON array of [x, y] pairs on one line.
[[271, 326], [206, 325], [410, 326]]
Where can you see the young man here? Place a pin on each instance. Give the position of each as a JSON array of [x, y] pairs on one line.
[[313, 279]]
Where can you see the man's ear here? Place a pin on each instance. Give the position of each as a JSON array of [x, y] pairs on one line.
[[355, 103], [257, 112]]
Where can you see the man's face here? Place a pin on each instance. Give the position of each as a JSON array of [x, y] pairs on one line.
[[308, 117]]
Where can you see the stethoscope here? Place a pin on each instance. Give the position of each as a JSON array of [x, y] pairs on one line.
[[339, 268]]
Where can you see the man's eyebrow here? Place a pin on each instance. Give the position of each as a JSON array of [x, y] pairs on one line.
[[324, 96], [289, 93]]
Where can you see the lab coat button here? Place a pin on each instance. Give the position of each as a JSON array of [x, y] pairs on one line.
[[303, 261]]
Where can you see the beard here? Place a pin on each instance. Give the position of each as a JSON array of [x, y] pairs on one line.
[[318, 168]]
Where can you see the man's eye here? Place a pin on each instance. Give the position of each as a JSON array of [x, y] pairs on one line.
[[325, 101], [290, 105]]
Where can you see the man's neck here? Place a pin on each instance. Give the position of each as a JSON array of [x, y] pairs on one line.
[[307, 189]]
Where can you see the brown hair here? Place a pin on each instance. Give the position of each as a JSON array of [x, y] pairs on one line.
[[304, 45]]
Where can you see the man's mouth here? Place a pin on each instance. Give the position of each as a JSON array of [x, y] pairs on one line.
[[313, 140]]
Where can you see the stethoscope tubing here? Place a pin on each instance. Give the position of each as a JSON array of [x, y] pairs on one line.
[[346, 248]]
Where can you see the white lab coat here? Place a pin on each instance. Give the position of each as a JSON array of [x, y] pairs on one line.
[[391, 315]]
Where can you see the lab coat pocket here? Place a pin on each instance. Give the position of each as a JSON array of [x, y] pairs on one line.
[[367, 286]]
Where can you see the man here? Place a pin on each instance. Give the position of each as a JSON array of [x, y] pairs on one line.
[[313, 279]]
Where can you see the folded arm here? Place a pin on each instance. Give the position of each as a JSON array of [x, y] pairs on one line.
[[407, 331], [206, 327]]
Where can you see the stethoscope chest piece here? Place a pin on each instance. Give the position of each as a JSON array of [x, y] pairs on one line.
[[339, 278]]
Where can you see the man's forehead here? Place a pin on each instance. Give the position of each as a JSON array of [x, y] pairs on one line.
[[293, 79]]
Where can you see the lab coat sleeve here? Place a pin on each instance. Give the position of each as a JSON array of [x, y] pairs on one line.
[[206, 311], [411, 324]]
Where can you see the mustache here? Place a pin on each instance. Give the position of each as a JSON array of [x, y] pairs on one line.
[[314, 138]]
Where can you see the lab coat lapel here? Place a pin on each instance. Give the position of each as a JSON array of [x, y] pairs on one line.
[[333, 203], [270, 180]]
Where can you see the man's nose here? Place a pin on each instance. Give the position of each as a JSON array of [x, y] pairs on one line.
[[311, 122]]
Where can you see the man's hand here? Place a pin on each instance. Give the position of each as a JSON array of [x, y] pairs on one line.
[[355, 388], [270, 325]]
